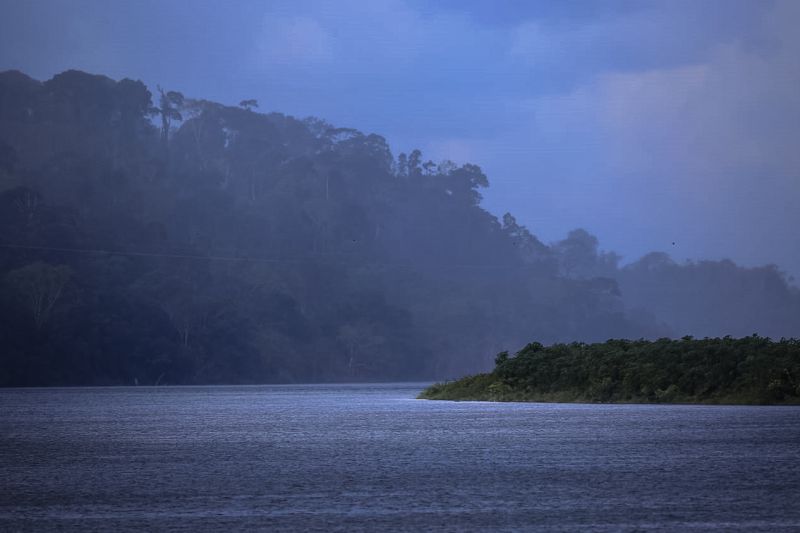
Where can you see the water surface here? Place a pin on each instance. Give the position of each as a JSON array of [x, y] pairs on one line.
[[353, 457]]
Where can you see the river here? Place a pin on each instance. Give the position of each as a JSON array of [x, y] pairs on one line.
[[371, 457]]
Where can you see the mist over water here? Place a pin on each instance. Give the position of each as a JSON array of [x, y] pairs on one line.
[[367, 457], [153, 237], [237, 240]]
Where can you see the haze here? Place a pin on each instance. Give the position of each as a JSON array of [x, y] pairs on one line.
[[261, 192], [666, 126]]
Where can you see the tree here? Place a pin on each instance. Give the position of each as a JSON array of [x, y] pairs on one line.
[[170, 103], [579, 258], [248, 104], [463, 182], [384, 269], [414, 162], [530, 249], [40, 286]]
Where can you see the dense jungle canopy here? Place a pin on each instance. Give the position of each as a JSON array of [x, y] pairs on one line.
[[153, 238]]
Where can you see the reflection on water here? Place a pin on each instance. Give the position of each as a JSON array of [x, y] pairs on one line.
[[371, 457]]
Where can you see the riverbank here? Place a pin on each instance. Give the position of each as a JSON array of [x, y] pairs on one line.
[[751, 370]]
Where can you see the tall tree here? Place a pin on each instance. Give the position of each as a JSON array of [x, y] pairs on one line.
[[170, 105]]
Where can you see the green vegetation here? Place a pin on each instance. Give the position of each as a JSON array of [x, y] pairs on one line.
[[155, 238], [751, 370]]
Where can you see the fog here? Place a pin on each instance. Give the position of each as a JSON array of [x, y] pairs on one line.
[[392, 190]]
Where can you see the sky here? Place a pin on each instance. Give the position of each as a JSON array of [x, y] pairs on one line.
[[656, 125]]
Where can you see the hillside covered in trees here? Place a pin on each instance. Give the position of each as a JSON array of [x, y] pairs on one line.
[[153, 238], [751, 370]]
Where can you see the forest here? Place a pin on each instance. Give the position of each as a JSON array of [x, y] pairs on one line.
[[750, 370], [150, 238]]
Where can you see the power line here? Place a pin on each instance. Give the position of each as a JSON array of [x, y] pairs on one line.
[[313, 259], [148, 254]]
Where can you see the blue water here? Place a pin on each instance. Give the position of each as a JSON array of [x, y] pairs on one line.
[[370, 457]]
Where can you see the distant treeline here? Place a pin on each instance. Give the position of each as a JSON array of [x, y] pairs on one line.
[[160, 239], [751, 370]]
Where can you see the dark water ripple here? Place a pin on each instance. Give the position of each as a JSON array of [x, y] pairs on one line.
[[370, 457]]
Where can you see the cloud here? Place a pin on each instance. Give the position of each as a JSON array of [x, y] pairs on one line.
[[562, 54], [705, 153], [637, 120], [295, 41], [356, 36]]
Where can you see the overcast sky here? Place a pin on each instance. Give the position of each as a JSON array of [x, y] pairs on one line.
[[645, 122]]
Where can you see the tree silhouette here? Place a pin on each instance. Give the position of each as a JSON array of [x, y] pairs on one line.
[[248, 105], [170, 104]]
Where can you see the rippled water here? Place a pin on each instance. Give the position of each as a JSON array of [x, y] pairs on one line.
[[354, 457]]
